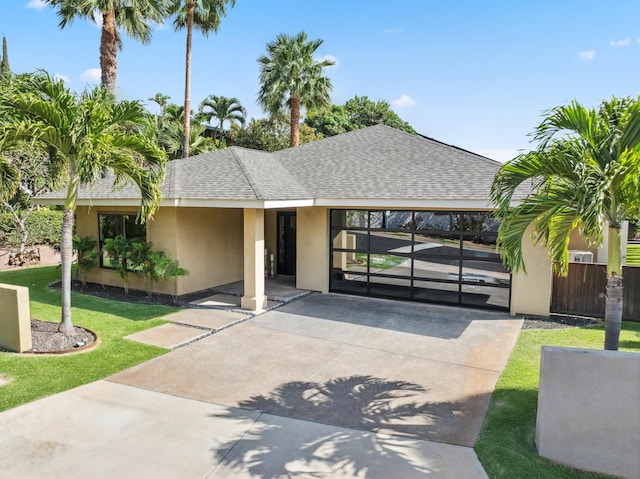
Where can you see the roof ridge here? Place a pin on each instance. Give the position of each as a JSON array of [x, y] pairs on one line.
[[252, 184]]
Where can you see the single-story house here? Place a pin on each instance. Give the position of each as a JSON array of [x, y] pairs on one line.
[[375, 212]]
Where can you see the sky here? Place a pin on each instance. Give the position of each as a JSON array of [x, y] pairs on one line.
[[475, 74]]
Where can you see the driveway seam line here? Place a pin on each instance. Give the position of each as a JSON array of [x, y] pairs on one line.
[[210, 473]]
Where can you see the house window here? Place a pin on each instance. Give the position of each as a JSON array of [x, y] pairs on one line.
[[112, 225]]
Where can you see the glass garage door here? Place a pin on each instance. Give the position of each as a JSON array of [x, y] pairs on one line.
[[444, 257]]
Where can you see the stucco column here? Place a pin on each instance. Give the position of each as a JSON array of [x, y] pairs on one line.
[[254, 297], [531, 291]]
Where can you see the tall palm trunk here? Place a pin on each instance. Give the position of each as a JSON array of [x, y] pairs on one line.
[[109, 51], [295, 121], [66, 253], [186, 131], [614, 291]]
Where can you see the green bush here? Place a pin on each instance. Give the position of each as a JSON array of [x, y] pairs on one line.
[[44, 228]]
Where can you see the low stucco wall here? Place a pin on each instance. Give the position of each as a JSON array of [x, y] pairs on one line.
[[15, 319], [589, 410]]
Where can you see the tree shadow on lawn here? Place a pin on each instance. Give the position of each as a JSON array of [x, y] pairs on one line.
[[383, 424]]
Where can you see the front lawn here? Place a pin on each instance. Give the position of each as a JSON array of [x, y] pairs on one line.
[[35, 376], [506, 446]]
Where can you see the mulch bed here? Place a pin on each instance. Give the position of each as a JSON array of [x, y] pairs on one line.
[[45, 338], [135, 295], [557, 321]]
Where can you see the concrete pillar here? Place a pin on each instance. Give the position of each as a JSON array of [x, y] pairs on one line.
[[254, 297]]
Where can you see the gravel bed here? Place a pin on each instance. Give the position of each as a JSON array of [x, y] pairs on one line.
[[45, 338], [557, 321]]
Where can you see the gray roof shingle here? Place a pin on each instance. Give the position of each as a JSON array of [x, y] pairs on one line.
[[378, 162]]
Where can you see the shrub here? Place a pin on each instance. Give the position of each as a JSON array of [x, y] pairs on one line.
[[44, 227]]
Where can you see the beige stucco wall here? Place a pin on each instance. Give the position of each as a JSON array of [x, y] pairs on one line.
[[206, 241], [312, 249], [210, 246], [589, 410], [15, 320], [531, 291]]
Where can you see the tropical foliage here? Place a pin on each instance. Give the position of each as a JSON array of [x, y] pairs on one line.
[[87, 255], [292, 79], [269, 134], [204, 15], [224, 110], [87, 134], [584, 174], [358, 112], [131, 16]]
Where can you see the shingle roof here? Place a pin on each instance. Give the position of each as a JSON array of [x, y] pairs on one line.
[[378, 162]]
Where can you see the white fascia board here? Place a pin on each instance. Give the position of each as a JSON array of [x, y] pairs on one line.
[[288, 204], [414, 203]]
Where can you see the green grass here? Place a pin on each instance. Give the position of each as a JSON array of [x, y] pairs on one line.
[[36, 376], [379, 261], [506, 446]]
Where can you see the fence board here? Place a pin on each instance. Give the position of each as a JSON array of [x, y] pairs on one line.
[[582, 291]]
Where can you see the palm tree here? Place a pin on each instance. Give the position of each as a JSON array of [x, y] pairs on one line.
[[204, 15], [161, 100], [223, 109], [130, 16], [291, 77], [87, 135], [586, 169], [9, 178], [170, 138]]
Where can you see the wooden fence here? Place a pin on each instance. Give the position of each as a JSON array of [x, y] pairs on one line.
[[581, 292]]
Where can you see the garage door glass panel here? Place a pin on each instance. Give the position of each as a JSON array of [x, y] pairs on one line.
[[435, 292], [419, 255], [436, 268], [485, 273], [485, 296], [390, 287]]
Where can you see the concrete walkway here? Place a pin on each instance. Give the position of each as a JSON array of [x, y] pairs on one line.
[[326, 386]]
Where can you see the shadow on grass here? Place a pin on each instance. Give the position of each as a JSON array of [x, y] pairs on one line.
[[379, 424]]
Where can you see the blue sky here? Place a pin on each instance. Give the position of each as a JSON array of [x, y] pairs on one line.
[[476, 74]]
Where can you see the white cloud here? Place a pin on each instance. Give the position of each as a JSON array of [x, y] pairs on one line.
[[620, 43], [404, 100], [587, 55], [92, 75], [36, 4], [392, 30], [331, 58], [61, 77]]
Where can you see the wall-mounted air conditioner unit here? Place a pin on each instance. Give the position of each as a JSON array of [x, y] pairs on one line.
[[580, 256]]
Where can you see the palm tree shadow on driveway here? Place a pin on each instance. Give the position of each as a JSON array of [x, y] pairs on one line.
[[381, 424]]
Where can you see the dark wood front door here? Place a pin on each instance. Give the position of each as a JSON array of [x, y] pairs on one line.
[[287, 243]]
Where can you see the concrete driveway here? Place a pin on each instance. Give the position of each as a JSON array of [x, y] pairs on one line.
[[326, 386]]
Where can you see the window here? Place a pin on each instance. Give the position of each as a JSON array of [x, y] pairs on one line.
[[112, 225]]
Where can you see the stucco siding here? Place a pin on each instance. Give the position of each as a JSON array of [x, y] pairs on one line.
[[210, 246], [312, 270]]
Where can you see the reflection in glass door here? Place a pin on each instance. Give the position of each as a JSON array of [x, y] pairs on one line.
[[287, 243]]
